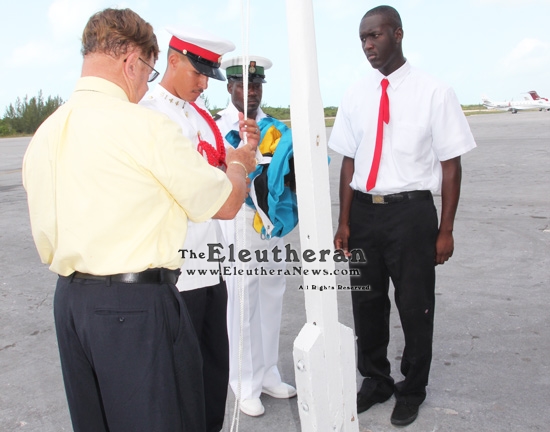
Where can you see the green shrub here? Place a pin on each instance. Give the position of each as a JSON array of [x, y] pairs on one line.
[[279, 113], [5, 129], [331, 111]]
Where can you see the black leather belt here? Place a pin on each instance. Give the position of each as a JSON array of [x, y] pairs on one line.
[[392, 198], [157, 275]]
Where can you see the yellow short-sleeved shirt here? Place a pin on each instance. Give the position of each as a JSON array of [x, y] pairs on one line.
[[111, 185]]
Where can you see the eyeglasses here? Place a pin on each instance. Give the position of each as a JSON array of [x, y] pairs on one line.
[[154, 73]]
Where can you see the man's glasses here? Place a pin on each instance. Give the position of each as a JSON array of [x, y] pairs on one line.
[[154, 73]]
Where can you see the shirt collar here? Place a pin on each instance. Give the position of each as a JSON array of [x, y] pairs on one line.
[[101, 85], [396, 77], [163, 94], [233, 113]]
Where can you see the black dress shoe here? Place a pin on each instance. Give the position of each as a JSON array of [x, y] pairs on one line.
[[365, 402], [403, 414]]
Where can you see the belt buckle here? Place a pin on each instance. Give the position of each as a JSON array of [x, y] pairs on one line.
[[378, 199]]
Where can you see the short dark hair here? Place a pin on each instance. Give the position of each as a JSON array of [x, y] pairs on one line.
[[114, 31], [389, 13]]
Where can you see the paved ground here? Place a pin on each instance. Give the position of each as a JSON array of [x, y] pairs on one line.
[[491, 364]]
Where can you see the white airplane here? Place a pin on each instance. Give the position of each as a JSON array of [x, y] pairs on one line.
[[531, 100], [535, 96]]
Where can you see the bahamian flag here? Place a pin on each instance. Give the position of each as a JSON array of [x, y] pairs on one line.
[[272, 184]]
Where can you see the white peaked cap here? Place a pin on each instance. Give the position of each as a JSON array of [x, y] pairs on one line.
[[238, 61], [256, 71], [204, 49]]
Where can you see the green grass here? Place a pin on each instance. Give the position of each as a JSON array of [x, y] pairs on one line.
[[473, 107]]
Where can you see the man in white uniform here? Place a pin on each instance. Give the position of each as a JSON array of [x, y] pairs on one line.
[[194, 55], [262, 294], [402, 133]]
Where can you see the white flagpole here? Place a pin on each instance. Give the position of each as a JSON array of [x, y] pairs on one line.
[[240, 219], [324, 351]]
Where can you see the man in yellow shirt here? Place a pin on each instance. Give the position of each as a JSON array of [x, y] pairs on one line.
[[111, 186]]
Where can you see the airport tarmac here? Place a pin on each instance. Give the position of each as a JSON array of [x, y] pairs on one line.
[[491, 360]]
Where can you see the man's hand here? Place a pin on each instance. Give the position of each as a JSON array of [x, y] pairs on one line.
[[250, 128], [346, 196], [245, 155], [444, 246], [240, 163], [341, 239]]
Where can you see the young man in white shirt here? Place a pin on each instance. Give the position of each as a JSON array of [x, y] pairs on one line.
[[401, 133]]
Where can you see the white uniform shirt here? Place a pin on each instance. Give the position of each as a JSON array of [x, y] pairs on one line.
[[201, 234], [426, 126], [228, 121]]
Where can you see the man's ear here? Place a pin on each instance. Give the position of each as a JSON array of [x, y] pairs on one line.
[[130, 65], [230, 86], [173, 59], [398, 34]]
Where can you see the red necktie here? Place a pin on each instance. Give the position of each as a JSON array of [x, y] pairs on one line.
[[383, 117]]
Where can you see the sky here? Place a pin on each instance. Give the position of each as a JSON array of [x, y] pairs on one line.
[[494, 48]]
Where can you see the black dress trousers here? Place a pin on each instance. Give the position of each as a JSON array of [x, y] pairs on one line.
[[398, 240], [208, 311], [129, 356]]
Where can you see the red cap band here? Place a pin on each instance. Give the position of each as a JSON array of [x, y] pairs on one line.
[[194, 49]]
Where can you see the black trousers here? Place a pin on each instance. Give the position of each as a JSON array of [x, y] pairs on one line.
[[208, 311], [399, 243], [129, 356]]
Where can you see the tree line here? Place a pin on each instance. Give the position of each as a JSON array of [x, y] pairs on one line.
[[25, 115]]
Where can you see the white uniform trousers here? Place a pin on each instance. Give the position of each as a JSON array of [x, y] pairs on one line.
[[263, 302]]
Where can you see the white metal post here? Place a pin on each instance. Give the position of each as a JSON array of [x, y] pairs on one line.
[[324, 353]]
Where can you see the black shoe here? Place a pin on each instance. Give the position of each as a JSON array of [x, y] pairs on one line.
[[403, 414], [365, 402]]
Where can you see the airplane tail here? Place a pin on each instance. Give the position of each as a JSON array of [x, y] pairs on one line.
[[536, 96]]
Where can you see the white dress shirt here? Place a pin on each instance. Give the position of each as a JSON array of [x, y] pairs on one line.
[[426, 126]]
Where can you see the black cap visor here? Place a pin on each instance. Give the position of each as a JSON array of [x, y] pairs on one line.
[[254, 78], [203, 66]]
